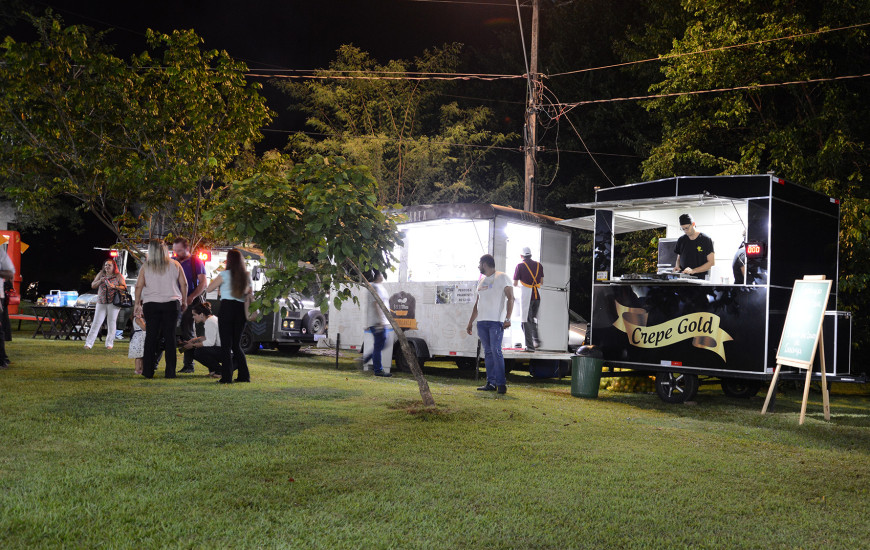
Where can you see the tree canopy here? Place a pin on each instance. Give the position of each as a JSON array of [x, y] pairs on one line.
[[318, 221], [419, 145], [138, 143]]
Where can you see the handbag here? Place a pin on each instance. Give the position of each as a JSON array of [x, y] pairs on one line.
[[122, 298]]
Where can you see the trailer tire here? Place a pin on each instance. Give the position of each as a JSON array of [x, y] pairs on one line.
[[465, 363], [401, 363], [676, 387], [247, 342], [740, 388]]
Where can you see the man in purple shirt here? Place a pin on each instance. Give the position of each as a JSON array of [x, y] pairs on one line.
[[194, 272]]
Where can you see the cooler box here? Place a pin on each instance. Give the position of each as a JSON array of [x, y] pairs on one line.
[[386, 354], [53, 298], [69, 297]]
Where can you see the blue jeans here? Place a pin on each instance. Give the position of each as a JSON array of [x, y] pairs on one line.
[[379, 333], [490, 334]]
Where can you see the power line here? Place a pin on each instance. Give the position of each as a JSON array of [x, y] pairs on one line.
[[722, 48], [500, 4], [432, 76], [569, 106], [600, 169]]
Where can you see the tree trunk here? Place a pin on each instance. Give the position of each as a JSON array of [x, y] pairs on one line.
[[407, 350]]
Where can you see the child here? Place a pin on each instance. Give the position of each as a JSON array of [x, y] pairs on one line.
[[137, 342]]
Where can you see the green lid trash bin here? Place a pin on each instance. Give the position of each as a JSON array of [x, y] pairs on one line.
[[586, 372]]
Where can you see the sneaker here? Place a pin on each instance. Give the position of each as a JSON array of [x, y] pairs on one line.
[[187, 370], [502, 390], [487, 387], [382, 373]]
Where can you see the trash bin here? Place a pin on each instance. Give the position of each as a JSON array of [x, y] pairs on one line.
[[586, 372]]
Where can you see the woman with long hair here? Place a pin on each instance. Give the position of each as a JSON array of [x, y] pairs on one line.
[[161, 294], [107, 282], [235, 290]]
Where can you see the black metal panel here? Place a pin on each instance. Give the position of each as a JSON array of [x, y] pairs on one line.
[[807, 198], [645, 190], [729, 334], [724, 186], [802, 242]]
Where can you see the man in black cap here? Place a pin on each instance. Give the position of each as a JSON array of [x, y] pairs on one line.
[[694, 250]]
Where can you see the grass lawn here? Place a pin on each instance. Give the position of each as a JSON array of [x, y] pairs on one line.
[[310, 456]]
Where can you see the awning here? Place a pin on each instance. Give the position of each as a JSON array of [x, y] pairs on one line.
[[628, 224]]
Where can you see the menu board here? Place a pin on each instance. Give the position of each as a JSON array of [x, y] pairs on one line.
[[806, 311]]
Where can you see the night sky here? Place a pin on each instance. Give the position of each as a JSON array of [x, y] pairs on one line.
[[265, 34]]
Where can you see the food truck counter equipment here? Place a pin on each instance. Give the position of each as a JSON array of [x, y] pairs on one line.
[[680, 329]]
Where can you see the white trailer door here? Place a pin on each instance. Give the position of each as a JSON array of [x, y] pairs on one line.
[[553, 315]]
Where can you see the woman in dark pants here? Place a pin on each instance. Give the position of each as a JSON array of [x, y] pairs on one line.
[[161, 293], [235, 290]]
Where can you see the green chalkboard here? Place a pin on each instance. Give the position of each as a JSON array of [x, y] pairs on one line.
[[800, 335]]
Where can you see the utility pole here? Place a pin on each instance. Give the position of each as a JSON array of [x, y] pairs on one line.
[[531, 130]]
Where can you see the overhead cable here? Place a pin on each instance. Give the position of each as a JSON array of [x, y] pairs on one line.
[[569, 106], [722, 48]]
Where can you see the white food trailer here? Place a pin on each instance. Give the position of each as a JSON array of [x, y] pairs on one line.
[[432, 288]]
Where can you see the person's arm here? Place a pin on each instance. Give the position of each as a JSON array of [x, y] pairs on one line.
[[94, 284], [121, 282], [140, 286], [215, 283], [182, 284], [200, 287], [509, 294], [711, 261], [193, 343], [468, 329], [677, 264], [249, 297]]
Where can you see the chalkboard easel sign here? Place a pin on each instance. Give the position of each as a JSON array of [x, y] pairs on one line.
[[802, 336]]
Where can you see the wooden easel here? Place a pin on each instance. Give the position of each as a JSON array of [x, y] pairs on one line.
[[806, 361]]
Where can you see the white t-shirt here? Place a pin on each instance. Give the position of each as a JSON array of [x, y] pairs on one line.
[[212, 336], [490, 297], [374, 315]]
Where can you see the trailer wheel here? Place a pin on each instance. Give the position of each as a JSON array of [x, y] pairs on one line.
[[465, 363], [247, 342], [743, 389], [401, 364], [675, 387]]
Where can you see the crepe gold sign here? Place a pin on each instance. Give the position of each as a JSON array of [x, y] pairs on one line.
[[702, 328]]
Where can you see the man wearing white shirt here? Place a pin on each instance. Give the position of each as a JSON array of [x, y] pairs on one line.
[[492, 310], [7, 272]]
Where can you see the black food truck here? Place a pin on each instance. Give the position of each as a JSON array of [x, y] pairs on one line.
[[716, 327]]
